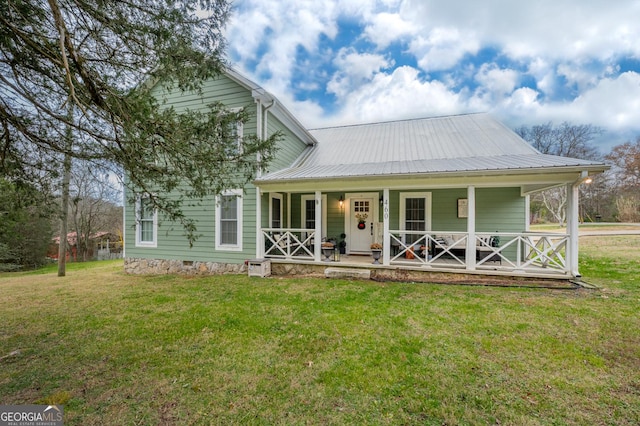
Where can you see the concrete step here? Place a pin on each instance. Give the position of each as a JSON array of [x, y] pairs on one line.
[[347, 273]]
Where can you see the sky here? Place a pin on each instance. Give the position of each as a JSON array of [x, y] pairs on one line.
[[338, 62]]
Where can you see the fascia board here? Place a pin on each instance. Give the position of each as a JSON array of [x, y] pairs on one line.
[[448, 180], [279, 111]]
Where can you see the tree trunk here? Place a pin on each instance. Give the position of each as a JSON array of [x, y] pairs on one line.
[[64, 208]]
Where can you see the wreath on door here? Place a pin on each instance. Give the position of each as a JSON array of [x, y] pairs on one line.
[[362, 218]]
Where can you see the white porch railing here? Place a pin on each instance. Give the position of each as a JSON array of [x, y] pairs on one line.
[[529, 252], [533, 252], [423, 246], [288, 244], [517, 252]]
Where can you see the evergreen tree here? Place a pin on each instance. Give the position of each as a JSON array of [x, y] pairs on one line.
[[25, 225], [98, 60]]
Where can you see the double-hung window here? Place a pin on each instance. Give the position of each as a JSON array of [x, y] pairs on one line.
[[235, 130], [229, 221], [415, 214], [309, 213], [308, 209], [146, 223], [275, 210]]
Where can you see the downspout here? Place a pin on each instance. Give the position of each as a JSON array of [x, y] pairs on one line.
[[262, 126], [265, 111], [261, 131], [258, 212]]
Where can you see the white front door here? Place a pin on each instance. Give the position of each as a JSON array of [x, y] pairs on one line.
[[360, 234]]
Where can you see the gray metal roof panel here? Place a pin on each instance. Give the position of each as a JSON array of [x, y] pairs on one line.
[[472, 142], [443, 137]]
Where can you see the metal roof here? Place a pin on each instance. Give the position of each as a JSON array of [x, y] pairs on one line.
[[461, 143]]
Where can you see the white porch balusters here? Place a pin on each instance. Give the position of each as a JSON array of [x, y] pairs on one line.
[[386, 238], [471, 228], [317, 242]]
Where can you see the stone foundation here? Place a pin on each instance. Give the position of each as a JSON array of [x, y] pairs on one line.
[[180, 267], [285, 269]]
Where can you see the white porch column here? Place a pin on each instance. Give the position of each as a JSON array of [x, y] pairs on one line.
[[317, 242], [527, 213], [572, 229], [471, 228], [386, 238], [288, 210], [259, 239]]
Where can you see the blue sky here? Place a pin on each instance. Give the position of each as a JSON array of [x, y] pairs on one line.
[[335, 62]]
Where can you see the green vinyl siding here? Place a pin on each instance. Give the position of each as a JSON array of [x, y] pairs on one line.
[[497, 209], [173, 244], [296, 211], [288, 149], [171, 240], [220, 89], [444, 210], [500, 209], [335, 217]]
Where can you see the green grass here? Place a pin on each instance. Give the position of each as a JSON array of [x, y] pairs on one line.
[[118, 349]]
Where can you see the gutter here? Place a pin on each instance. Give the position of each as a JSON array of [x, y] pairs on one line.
[[453, 173]]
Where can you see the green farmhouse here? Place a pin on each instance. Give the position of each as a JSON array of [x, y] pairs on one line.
[[443, 194]]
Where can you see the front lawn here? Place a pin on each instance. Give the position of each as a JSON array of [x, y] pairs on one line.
[[119, 349]]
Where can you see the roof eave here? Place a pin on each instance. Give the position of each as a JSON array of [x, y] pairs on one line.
[[590, 169], [279, 110]]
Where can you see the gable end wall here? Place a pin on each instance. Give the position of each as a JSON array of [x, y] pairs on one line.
[[171, 241]]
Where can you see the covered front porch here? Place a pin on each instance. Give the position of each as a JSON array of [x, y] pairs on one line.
[[469, 230]]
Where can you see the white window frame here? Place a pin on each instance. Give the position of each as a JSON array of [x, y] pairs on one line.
[[303, 208], [239, 210], [403, 208], [139, 242], [277, 196]]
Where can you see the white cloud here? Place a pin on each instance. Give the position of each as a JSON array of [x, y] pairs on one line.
[[565, 30], [613, 103], [246, 43], [584, 76], [354, 69], [443, 48], [496, 81], [544, 74], [398, 95], [522, 106], [385, 28], [278, 28]]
